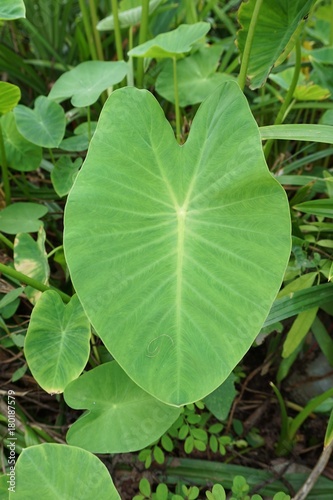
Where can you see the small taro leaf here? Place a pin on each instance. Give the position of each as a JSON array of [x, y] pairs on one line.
[[64, 173], [196, 75], [42, 471], [129, 17], [9, 97], [21, 218], [44, 125], [194, 240], [322, 207], [12, 9], [75, 143], [219, 401], [85, 83], [121, 417], [173, 43], [275, 26], [30, 259], [21, 154], [57, 342]]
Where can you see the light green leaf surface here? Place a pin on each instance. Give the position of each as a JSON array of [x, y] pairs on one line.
[[21, 154], [298, 132], [184, 247], [129, 16], [57, 342], [196, 75], [64, 174], [277, 22], [44, 125], [9, 96], [121, 417], [298, 330], [175, 43], [21, 218], [30, 259], [85, 83], [59, 472], [12, 9]]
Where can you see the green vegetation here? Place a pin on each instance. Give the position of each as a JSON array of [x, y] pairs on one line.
[[166, 237]]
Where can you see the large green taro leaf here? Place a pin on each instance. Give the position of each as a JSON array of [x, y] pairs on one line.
[[277, 28], [177, 252]]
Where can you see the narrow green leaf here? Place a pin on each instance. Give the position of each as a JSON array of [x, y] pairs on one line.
[[321, 207], [299, 301], [309, 132], [329, 431], [297, 332]]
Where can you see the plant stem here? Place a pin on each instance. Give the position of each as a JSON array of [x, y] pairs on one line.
[[331, 28], [117, 31], [282, 113], [175, 83], [4, 168], [6, 241], [303, 492], [191, 12], [97, 37], [87, 29], [142, 39], [89, 123], [248, 45], [130, 75], [38, 285]]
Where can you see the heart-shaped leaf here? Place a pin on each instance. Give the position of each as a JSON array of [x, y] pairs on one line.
[[45, 125], [57, 342], [21, 154], [12, 9], [9, 96], [64, 174], [121, 418], [172, 44], [85, 83], [275, 26], [184, 247], [21, 218], [52, 471], [196, 76], [127, 16]]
